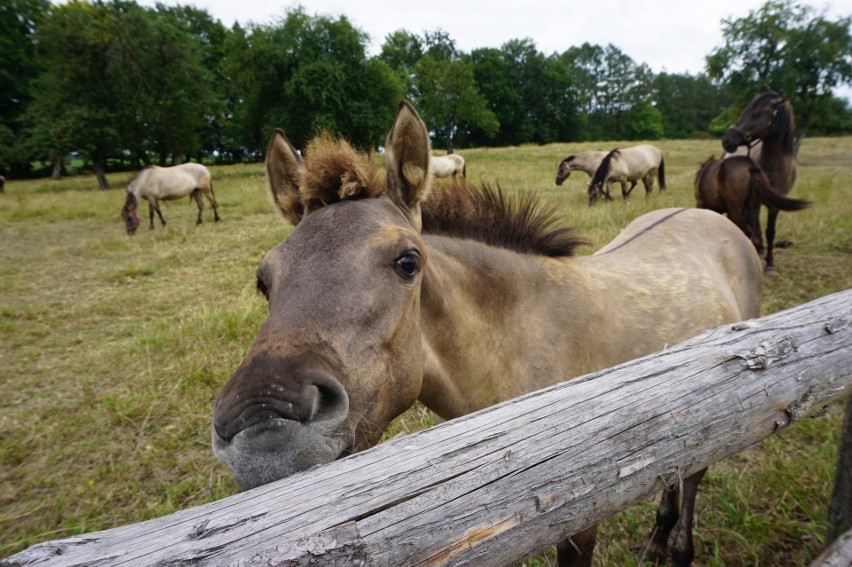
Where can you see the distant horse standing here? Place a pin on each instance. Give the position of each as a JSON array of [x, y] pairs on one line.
[[387, 291], [449, 165], [586, 161], [155, 184], [643, 162], [737, 186], [768, 121]]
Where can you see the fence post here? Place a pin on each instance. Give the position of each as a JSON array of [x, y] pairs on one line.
[[840, 510]]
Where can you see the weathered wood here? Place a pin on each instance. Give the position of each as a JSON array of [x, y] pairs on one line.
[[495, 486], [838, 554], [840, 509]]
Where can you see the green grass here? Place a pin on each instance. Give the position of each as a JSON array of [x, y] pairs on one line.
[[114, 348]]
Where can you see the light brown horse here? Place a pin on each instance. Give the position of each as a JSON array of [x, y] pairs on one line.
[[625, 165], [737, 186], [384, 294], [449, 165], [586, 161], [155, 184], [769, 119]]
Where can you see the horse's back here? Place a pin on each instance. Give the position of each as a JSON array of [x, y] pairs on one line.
[[704, 258]]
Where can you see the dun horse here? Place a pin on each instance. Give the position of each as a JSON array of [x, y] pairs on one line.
[[769, 119], [628, 165], [448, 166], [384, 294], [155, 184], [586, 161]]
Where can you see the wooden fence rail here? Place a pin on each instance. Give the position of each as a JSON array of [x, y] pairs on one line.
[[493, 487]]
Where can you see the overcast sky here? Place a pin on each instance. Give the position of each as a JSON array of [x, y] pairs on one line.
[[668, 35]]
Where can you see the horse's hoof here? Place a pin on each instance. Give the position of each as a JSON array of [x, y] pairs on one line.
[[652, 553], [771, 271], [784, 244]]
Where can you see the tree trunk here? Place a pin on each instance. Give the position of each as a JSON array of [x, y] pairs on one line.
[[100, 172], [58, 166]]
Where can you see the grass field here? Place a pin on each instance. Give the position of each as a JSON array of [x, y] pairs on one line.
[[114, 348]]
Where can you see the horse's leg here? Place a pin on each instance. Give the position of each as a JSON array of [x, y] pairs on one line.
[[197, 194], [608, 190], [683, 549], [150, 215], [648, 181], [212, 198], [657, 547], [578, 549], [770, 269], [159, 213], [624, 190]]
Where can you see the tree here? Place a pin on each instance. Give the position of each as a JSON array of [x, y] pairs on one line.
[[789, 48], [18, 68], [688, 103]]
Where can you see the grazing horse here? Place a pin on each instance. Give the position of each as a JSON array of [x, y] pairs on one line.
[[449, 165], [384, 294], [586, 161], [155, 184], [768, 119], [737, 186], [629, 164]]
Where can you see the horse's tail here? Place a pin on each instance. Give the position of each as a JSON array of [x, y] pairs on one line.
[[762, 188], [661, 173]]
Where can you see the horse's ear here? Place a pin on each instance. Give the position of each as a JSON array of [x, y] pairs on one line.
[[408, 152], [285, 171]]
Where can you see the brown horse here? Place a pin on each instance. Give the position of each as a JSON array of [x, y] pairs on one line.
[[769, 119], [155, 184], [384, 294], [736, 186]]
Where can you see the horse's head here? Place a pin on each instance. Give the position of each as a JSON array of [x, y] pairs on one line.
[[129, 214], [340, 354], [564, 170], [757, 120]]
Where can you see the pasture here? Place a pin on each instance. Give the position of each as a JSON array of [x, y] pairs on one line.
[[114, 348]]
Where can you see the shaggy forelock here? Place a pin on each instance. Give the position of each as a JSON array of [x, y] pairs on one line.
[[337, 172]]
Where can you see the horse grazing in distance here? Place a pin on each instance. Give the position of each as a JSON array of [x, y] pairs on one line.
[[768, 120], [586, 161], [155, 184], [449, 165], [387, 291], [643, 162], [738, 186]]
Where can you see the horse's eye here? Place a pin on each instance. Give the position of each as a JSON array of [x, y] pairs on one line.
[[261, 287], [408, 264]]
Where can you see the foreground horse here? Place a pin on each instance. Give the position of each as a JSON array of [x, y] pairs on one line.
[[768, 119], [586, 161], [384, 294], [643, 162], [737, 186], [448, 166], [155, 184]]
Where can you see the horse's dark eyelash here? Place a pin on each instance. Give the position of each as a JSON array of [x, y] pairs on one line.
[[261, 288]]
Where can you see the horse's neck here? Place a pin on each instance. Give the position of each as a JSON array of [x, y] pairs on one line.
[[493, 324]]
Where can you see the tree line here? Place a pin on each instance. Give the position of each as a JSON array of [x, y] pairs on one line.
[[124, 85]]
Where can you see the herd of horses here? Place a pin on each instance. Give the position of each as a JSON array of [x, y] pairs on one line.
[[391, 289]]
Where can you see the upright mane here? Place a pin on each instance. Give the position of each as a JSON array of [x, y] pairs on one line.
[[337, 172], [488, 215], [603, 169]]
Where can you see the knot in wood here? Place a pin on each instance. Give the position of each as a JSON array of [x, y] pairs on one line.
[[767, 352]]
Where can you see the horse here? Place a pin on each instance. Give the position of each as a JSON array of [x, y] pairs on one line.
[[2, 184], [586, 161], [738, 186], [155, 184], [768, 119], [449, 165], [629, 164], [387, 292]]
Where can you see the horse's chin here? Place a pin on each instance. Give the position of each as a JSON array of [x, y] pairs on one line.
[[277, 449], [731, 142]]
